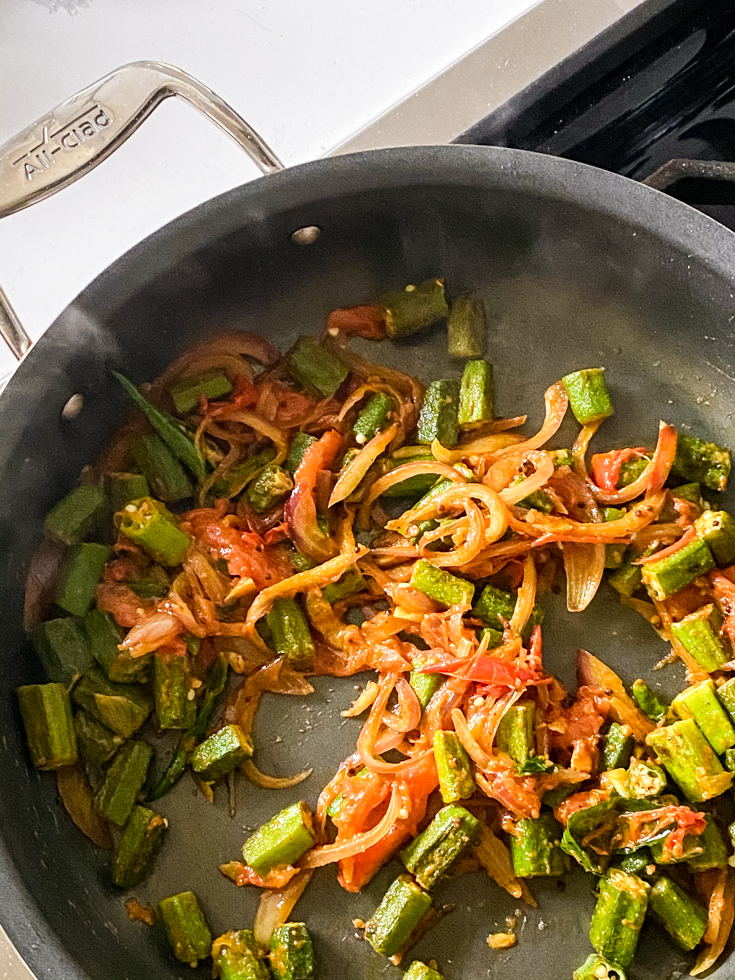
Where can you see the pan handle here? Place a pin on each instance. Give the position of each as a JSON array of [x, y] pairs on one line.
[[81, 132]]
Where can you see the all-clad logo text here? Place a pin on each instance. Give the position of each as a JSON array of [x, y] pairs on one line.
[[71, 135]]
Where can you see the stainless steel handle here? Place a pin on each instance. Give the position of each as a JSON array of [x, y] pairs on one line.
[[80, 133]]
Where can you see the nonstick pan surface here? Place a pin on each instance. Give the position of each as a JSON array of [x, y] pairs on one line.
[[577, 268]]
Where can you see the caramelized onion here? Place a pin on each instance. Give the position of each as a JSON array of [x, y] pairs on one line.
[[485, 445], [350, 479], [275, 907], [398, 475], [652, 478], [543, 469], [526, 596], [556, 401], [409, 710]]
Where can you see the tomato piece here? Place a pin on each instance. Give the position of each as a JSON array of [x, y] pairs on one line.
[[606, 466], [358, 321], [244, 551], [300, 509]]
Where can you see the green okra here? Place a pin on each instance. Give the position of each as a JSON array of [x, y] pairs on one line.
[[151, 583], [684, 919], [291, 952], [169, 430], [711, 849], [121, 488], [699, 634], [97, 743], [690, 760], [535, 847], [467, 328], [444, 484], [645, 780], [82, 571], [420, 971], [186, 927], [699, 701], [221, 753], [137, 847], [373, 418], [122, 707], [495, 605], [618, 916], [350, 583], [186, 393], [614, 553], [424, 685], [49, 725], [441, 586], [516, 735], [596, 967], [414, 308], [290, 633], [538, 500], [589, 398], [312, 366], [726, 695], [638, 862], [104, 637], [76, 514], [299, 444], [456, 781], [717, 529], [232, 482], [162, 469], [691, 492], [123, 781], [616, 780], [63, 648], [401, 910], [628, 578], [171, 689], [617, 746], [414, 486], [235, 956], [439, 414], [702, 462], [631, 470], [655, 706], [270, 488], [729, 760], [556, 796], [283, 840], [153, 527], [494, 637], [665, 577], [429, 856]]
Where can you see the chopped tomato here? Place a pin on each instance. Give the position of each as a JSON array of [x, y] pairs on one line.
[[243, 395], [358, 321], [244, 551], [484, 670], [241, 874], [579, 801], [300, 509], [581, 722], [606, 466], [125, 607]]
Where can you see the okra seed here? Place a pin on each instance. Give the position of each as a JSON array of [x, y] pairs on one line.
[[73, 407], [307, 235]]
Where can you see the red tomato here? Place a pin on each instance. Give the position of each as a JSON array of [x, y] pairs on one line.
[[606, 466], [244, 551], [358, 321]]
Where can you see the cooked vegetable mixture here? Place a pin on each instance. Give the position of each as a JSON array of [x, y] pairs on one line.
[[321, 514]]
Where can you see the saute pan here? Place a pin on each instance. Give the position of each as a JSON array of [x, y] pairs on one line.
[[577, 267]]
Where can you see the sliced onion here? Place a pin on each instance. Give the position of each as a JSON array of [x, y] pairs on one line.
[[652, 478], [350, 479], [486, 445], [583, 566], [543, 469], [526, 597], [409, 710], [277, 436], [363, 702], [469, 743], [387, 741], [398, 475], [721, 911], [564, 529], [495, 858], [369, 734], [556, 401], [157, 629], [78, 799], [498, 515], [276, 906], [581, 445], [685, 539], [272, 782], [623, 709]]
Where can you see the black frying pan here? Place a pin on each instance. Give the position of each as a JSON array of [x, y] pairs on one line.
[[577, 268]]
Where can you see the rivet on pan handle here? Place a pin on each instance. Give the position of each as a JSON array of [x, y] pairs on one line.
[[81, 132]]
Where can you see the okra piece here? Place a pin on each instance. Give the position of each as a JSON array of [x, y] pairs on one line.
[[63, 648], [699, 634], [444, 484], [123, 781], [270, 488], [82, 571], [538, 500], [726, 694], [617, 747], [221, 753], [665, 577], [441, 586], [283, 840], [515, 735], [729, 759], [415, 486], [712, 850], [420, 971], [414, 308], [373, 418], [169, 430], [447, 837], [164, 472], [645, 780], [299, 444], [476, 395], [467, 328], [232, 482], [121, 488], [76, 514], [235, 956], [122, 707], [628, 578], [631, 470], [186, 393], [292, 953], [453, 767], [155, 529], [312, 366], [186, 928], [699, 702], [616, 782], [290, 633], [535, 847], [618, 916], [49, 726], [691, 492], [662, 855], [684, 919], [651, 704], [137, 848], [589, 398], [104, 637], [596, 967], [614, 553], [702, 462], [349, 584], [638, 862], [97, 744], [401, 910], [174, 708], [424, 685], [495, 604], [717, 528], [439, 414], [689, 760]]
